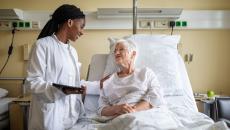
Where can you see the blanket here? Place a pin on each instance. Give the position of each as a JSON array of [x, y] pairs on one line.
[[161, 118]]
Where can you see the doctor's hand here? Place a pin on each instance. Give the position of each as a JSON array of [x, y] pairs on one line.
[[73, 90], [124, 108]]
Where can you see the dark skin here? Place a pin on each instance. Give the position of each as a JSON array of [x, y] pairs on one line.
[[74, 90], [72, 29]]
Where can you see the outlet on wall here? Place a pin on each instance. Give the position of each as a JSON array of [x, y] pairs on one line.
[[35, 25], [145, 23], [20, 25], [5, 25], [161, 24]]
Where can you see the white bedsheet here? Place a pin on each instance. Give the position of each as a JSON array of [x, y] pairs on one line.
[[164, 117], [179, 113], [181, 101], [4, 102], [4, 112]]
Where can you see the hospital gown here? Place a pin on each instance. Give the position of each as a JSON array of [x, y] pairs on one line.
[[141, 85]]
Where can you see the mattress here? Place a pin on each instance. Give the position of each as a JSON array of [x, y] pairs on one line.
[[4, 104]]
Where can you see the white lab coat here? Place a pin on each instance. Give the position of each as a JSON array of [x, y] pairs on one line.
[[53, 62]]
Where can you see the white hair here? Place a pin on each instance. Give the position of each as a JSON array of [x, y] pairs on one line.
[[131, 46]]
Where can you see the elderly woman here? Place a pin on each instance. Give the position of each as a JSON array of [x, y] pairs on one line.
[[131, 89]]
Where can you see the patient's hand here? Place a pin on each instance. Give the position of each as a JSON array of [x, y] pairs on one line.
[[124, 108], [117, 110], [142, 105]]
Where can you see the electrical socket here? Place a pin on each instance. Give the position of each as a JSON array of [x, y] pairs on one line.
[[20, 25], [4, 25], [35, 25], [145, 23], [161, 24]]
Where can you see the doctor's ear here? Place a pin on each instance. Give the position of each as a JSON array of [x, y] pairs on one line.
[[70, 22]]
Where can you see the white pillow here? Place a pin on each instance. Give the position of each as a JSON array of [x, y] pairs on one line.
[[158, 52], [3, 92], [92, 95], [111, 66], [92, 87]]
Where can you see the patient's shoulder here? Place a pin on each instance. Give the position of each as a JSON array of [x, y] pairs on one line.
[[145, 72]]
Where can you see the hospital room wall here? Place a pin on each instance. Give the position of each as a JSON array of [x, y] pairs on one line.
[[210, 69]]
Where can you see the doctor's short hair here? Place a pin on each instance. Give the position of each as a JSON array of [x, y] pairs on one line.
[[131, 46]]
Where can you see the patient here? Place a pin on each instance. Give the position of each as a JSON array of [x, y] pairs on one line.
[[130, 89]]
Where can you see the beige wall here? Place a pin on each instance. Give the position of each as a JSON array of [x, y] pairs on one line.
[[90, 5], [209, 70]]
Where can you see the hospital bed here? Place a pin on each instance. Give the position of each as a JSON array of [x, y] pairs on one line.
[[96, 69], [181, 108], [4, 109]]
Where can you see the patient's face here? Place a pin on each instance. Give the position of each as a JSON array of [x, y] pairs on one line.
[[122, 55]]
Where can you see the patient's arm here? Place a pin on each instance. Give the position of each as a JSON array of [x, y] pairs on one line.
[[103, 80], [154, 95], [142, 105], [117, 110]]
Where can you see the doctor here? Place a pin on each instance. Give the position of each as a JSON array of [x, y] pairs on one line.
[[54, 60]]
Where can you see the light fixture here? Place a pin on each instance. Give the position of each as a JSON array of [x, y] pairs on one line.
[[142, 13]]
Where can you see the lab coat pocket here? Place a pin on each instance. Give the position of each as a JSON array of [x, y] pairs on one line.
[[75, 110], [46, 107], [75, 106], [48, 114]]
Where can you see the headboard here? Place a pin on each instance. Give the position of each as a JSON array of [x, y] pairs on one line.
[[98, 63]]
